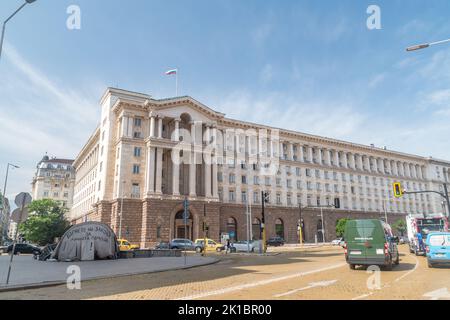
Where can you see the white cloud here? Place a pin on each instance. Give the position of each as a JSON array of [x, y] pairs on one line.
[[40, 114]]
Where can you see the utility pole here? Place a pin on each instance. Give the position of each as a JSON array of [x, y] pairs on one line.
[[204, 230], [264, 198], [447, 199]]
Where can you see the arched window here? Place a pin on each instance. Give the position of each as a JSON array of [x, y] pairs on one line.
[[256, 229], [279, 228], [232, 228]]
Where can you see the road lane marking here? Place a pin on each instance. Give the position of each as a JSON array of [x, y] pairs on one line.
[[438, 294], [362, 296], [259, 283], [311, 285], [410, 271]]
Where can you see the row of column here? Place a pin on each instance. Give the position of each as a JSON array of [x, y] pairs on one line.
[[309, 154]]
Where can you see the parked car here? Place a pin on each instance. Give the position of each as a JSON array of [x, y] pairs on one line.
[[125, 245], [275, 241], [244, 245], [3, 249], [370, 242], [24, 248], [211, 245], [438, 248], [183, 244], [337, 242], [163, 245]]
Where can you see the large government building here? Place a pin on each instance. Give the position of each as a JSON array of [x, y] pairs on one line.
[[148, 155]]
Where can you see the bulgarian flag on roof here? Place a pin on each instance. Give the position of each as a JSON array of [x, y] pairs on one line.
[[172, 71]]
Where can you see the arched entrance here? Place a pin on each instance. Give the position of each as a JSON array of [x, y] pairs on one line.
[[279, 228], [232, 228], [256, 229], [182, 229]]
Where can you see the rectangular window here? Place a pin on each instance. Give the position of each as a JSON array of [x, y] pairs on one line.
[[66, 194], [135, 190], [231, 196], [231, 178], [299, 184], [244, 196], [267, 181], [137, 151], [137, 122], [136, 168], [289, 183], [137, 135], [244, 179], [256, 197], [297, 172], [278, 198], [255, 180]]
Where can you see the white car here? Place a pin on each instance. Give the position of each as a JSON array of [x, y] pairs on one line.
[[337, 242], [243, 247]]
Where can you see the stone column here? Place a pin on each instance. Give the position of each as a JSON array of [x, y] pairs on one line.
[[381, 165], [290, 151], [319, 155], [215, 188], [150, 181], [207, 167], [310, 154], [152, 126], [388, 166], [124, 126], [158, 183], [336, 158], [300, 153], [328, 157], [360, 162], [367, 163], [176, 134], [160, 119], [352, 161], [395, 168], [175, 171], [407, 170], [192, 176], [344, 160], [375, 165]]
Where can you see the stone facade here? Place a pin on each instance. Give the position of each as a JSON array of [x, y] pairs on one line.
[[155, 153]]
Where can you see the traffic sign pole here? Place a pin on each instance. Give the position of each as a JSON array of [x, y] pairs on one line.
[[22, 200]]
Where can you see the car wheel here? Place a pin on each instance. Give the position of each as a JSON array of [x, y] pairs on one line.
[[175, 248], [219, 249], [198, 249], [352, 266], [430, 265]]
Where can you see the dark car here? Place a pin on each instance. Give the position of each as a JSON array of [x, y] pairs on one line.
[[24, 248], [275, 241], [183, 244], [163, 245]]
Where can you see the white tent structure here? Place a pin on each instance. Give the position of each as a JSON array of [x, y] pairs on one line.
[[87, 241]]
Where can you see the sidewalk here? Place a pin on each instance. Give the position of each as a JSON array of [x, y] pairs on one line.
[[27, 272]]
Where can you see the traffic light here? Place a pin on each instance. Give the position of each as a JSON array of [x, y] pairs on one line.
[[337, 203], [266, 197], [398, 191]]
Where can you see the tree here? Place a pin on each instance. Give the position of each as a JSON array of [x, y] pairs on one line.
[[340, 226], [46, 222], [400, 226]]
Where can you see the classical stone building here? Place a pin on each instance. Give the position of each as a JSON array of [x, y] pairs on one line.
[[147, 155], [54, 179]]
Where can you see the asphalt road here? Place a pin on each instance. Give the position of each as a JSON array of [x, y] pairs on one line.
[[313, 273]]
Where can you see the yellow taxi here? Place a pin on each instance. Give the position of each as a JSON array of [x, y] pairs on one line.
[[125, 245], [211, 245]]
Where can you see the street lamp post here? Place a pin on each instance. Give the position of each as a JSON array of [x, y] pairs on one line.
[[426, 45], [4, 197], [9, 18]]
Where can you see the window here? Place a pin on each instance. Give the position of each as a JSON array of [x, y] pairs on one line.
[[289, 200], [135, 190], [289, 183], [278, 198], [299, 184], [278, 181], [55, 194], [137, 122], [255, 180], [318, 174], [137, 151], [308, 172], [244, 179], [231, 178], [267, 181], [244, 196], [219, 176], [137, 135], [136, 169], [256, 197], [297, 172], [231, 196], [45, 193], [66, 194]]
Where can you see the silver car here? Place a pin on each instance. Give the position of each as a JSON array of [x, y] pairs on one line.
[[243, 247]]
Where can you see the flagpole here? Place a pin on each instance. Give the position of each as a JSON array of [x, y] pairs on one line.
[[176, 83]]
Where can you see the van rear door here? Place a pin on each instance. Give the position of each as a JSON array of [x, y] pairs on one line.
[[355, 238], [375, 240]]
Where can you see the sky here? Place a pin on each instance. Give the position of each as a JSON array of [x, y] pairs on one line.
[[310, 66]]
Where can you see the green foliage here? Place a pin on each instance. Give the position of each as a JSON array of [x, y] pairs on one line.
[[45, 222], [340, 226], [400, 226]]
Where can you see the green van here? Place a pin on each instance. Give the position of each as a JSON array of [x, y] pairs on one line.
[[370, 242]]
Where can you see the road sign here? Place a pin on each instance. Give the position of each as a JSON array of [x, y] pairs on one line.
[[22, 199], [398, 191], [17, 217]]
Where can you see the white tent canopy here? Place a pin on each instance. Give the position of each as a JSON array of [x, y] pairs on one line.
[[87, 241]]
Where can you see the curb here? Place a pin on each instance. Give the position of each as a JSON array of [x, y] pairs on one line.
[[61, 282]]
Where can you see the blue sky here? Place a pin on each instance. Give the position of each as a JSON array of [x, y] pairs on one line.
[[311, 66]]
